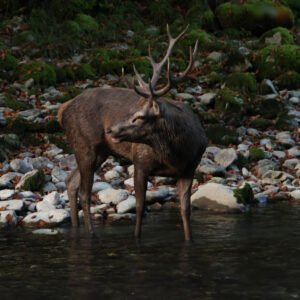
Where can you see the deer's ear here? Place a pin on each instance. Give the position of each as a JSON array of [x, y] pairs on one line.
[[155, 108]]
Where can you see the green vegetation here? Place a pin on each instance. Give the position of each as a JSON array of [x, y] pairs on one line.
[[244, 83], [272, 61], [42, 73], [255, 16], [256, 154], [288, 80], [220, 134], [279, 36], [245, 195]]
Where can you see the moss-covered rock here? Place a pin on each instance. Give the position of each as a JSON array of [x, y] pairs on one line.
[[245, 195], [42, 73], [86, 23], [32, 181], [272, 61], [261, 123], [256, 154], [228, 101], [278, 36], [270, 108], [254, 15], [242, 82], [221, 135], [288, 80], [284, 121]]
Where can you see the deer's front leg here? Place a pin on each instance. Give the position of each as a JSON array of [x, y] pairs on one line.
[[184, 192], [140, 185]]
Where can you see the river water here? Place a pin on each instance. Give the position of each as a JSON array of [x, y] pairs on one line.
[[246, 256]]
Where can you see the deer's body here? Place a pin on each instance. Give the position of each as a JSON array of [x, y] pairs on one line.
[[159, 136]]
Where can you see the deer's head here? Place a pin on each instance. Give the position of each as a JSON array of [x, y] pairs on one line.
[[137, 127]]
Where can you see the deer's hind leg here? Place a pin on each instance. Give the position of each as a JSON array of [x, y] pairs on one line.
[[80, 183], [73, 183]]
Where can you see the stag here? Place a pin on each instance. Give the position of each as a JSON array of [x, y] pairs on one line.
[[159, 136]]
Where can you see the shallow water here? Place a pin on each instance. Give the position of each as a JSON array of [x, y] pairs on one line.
[[233, 257]]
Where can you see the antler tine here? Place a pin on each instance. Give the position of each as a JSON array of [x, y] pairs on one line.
[[166, 88], [143, 87], [190, 65], [157, 67]]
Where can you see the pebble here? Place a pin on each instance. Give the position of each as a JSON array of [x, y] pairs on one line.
[[7, 193], [20, 166], [15, 205], [113, 196], [8, 217], [226, 157]]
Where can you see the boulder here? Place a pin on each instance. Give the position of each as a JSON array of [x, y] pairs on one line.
[[226, 157], [126, 205], [31, 181], [216, 197], [21, 166], [7, 193], [44, 218], [15, 205]]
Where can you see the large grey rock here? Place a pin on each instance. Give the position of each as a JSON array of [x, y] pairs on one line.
[[294, 151], [15, 205], [6, 194], [8, 217], [215, 196], [20, 165], [130, 182], [52, 198], [53, 151], [44, 206], [126, 205], [265, 165], [208, 167], [52, 217], [226, 157], [112, 196], [49, 187], [111, 174]]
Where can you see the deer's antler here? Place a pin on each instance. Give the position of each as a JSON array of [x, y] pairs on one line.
[[148, 89]]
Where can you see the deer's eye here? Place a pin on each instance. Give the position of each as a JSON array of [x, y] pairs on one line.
[[138, 118]]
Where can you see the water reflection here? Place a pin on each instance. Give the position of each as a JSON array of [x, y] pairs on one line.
[[233, 257]]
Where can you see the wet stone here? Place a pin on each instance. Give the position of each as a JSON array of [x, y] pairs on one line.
[[112, 195]]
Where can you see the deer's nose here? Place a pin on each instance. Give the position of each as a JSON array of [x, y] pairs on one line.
[[108, 131]]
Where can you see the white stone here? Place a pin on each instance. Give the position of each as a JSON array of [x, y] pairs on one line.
[[44, 206], [284, 138], [226, 157], [8, 217], [130, 183], [126, 205], [294, 152], [130, 170], [41, 162], [26, 177], [291, 163], [117, 217], [111, 174], [252, 131], [295, 194], [45, 231], [49, 187], [5, 194], [15, 205], [112, 196], [215, 196], [245, 172], [211, 151], [26, 194], [98, 208], [207, 98], [21, 166], [55, 216], [161, 194], [53, 151], [279, 154], [58, 175], [53, 198], [100, 186], [295, 100], [5, 180]]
